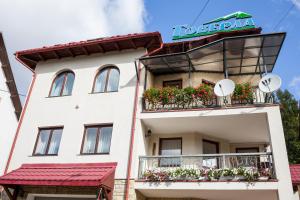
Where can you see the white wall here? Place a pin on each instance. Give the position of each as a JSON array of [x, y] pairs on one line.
[[8, 122], [115, 107]]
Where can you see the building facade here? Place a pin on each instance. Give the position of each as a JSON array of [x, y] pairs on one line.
[[131, 117], [10, 106]]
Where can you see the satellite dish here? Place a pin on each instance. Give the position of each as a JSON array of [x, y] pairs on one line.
[[269, 83], [224, 87]]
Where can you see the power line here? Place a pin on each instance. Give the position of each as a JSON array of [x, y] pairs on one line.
[[284, 16], [9, 92], [201, 11]]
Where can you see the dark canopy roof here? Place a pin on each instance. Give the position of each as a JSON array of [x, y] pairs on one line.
[[245, 54]]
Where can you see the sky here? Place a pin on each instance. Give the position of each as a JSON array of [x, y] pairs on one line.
[[34, 23]]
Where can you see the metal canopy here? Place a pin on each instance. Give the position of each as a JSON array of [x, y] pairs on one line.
[[233, 55]]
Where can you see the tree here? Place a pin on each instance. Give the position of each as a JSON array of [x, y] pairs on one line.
[[290, 119]]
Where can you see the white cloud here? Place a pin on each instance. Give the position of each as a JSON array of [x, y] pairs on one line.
[[297, 3], [295, 85], [36, 23]]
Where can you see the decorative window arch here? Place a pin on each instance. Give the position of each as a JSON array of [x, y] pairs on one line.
[[62, 85], [107, 80]]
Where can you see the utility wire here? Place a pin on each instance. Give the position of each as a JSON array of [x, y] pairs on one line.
[[201, 11], [9, 92], [284, 16]]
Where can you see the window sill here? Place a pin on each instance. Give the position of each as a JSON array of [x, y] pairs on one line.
[[92, 154], [58, 96], [44, 155], [103, 92]]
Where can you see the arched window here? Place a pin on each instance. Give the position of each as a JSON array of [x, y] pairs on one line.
[[107, 80], [62, 84]]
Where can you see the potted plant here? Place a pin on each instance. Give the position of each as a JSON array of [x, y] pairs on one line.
[[166, 95], [214, 174], [242, 94], [204, 94], [227, 174], [240, 174], [152, 97], [203, 176], [251, 175], [189, 93], [264, 174]]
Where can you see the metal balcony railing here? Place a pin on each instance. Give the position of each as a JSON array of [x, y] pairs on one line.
[[235, 166], [259, 98]]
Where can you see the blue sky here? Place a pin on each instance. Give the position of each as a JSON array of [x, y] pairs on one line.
[[35, 23], [163, 15]]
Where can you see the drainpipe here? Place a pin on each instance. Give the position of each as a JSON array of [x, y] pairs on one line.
[[21, 117], [133, 124]]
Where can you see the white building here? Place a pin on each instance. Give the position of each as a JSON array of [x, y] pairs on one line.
[[93, 127], [10, 106]]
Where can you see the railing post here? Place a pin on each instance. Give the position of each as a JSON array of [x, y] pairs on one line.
[[224, 161]]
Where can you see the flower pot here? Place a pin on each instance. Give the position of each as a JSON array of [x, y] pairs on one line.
[[203, 178], [239, 178], [263, 178], [226, 178]]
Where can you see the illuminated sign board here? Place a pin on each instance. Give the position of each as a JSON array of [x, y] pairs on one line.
[[232, 22]]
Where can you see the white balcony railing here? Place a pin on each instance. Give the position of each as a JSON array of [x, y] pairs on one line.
[[208, 167]]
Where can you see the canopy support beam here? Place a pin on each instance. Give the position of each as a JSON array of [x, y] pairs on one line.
[[11, 196], [224, 61]]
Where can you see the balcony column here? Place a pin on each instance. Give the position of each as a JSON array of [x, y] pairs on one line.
[[285, 190]]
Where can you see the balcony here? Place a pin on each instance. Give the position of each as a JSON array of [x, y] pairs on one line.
[[167, 99], [235, 167]]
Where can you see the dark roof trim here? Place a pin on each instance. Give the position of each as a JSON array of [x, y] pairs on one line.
[[10, 81]]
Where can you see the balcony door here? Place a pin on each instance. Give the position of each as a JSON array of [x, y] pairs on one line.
[[172, 148], [210, 147]]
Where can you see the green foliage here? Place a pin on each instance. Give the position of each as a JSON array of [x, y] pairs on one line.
[[152, 95], [243, 92], [290, 120]]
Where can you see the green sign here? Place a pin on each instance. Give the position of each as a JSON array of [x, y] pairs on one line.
[[232, 22]]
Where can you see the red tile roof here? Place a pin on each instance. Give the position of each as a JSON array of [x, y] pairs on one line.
[[149, 41], [88, 174], [295, 173]]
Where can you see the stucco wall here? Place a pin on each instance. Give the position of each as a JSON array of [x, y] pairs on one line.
[[8, 121], [196, 78], [115, 107]]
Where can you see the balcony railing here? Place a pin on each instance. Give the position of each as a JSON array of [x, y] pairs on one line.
[[207, 167], [259, 98]]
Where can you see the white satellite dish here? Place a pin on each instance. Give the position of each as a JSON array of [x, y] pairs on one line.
[[269, 83], [224, 87]]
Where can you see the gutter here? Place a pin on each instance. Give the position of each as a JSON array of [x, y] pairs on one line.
[[134, 123]]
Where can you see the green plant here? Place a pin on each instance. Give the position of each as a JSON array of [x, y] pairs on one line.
[[214, 174], [166, 95], [156, 175], [185, 173], [251, 175], [204, 92], [243, 92], [227, 172], [189, 93], [240, 171], [152, 95]]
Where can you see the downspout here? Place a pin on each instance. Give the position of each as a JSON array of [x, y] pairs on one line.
[[21, 118], [133, 124]]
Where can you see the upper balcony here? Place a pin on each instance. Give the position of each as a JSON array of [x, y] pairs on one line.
[[182, 79]]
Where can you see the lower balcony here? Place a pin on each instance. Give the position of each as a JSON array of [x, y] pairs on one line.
[[233, 167]]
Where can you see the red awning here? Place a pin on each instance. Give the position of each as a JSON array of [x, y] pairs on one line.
[[295, 174], [87, 174]]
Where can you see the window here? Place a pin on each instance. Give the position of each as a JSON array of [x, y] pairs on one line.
[[247, 150], [48, 141], [173, 83], [97, 140], [210, 147], [107, 80], [62, 84], [170, 147]]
